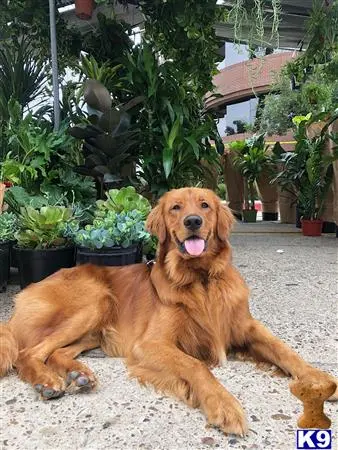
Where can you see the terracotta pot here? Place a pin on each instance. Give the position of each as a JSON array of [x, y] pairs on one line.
[[84, 9], [312, 227]]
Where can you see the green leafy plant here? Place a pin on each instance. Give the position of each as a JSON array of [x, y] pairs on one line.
[[8, 226], [124, 200], [251, 159], [31, 18], [43, 228], [17, 197], [113, 230], [321, 31], [175, 130], [307, 172], [31, 146], [23, 78], [315, 95], [184, 32], [109, 41], [41, 160], [108, 138], [221, 191]]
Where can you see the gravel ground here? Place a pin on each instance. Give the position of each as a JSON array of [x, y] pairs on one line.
[[293, 292]]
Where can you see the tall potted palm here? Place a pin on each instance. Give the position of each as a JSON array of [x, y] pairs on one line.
[[250, 158]]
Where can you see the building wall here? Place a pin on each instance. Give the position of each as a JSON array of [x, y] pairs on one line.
[[240, 82], [286, 141]]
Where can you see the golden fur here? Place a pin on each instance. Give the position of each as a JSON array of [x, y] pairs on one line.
[[171, 321]]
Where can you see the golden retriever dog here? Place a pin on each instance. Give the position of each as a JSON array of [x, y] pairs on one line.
[[171, 321]]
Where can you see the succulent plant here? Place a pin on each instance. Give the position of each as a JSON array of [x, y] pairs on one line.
[[44, 227], [9, 224], [124, 200], [113, 230]]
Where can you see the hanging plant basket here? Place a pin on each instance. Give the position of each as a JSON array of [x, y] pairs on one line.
[[84, 9], [312, 227]]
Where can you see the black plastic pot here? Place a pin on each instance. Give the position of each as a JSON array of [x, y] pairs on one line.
[[6, 247], [4, 269], [249, 215], [139, 254], [298, 218], [329, 227], [14, 256], [35, 265], [114, 256]]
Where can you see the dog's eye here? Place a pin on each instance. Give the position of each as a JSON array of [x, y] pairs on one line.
[[177, 207], [204, 205]]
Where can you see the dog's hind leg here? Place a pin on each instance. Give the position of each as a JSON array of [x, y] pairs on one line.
[[31, 361], [77, 375]]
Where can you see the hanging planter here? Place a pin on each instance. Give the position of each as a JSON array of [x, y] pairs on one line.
[[312, 227], [84, 9]]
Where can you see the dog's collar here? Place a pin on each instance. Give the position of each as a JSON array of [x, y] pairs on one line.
[[151, 263]]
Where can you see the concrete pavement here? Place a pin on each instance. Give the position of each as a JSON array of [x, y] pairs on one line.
[[293, 284]]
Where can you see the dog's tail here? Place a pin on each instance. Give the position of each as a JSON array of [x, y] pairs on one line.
[[9, 349]]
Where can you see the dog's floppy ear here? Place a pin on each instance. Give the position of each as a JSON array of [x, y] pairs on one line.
[[155, 224], [225, 221]]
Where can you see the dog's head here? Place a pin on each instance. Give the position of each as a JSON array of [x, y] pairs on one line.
[[191, 221]]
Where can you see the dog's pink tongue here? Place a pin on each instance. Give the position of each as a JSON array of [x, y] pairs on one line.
[[194, 246]]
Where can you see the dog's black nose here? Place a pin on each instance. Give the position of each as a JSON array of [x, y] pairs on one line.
[[193, 222]]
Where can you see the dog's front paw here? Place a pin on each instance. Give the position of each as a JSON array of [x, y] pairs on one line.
[[225, 412], [80, 381]]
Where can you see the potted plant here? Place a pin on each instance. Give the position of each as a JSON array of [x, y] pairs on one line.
[[42, 247], [8, 226], [112, 240], [250, 159], [109, 138], [125, 199], [318, 172], [307, 171]]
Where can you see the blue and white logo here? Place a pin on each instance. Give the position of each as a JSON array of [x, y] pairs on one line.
[[314, 439]]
